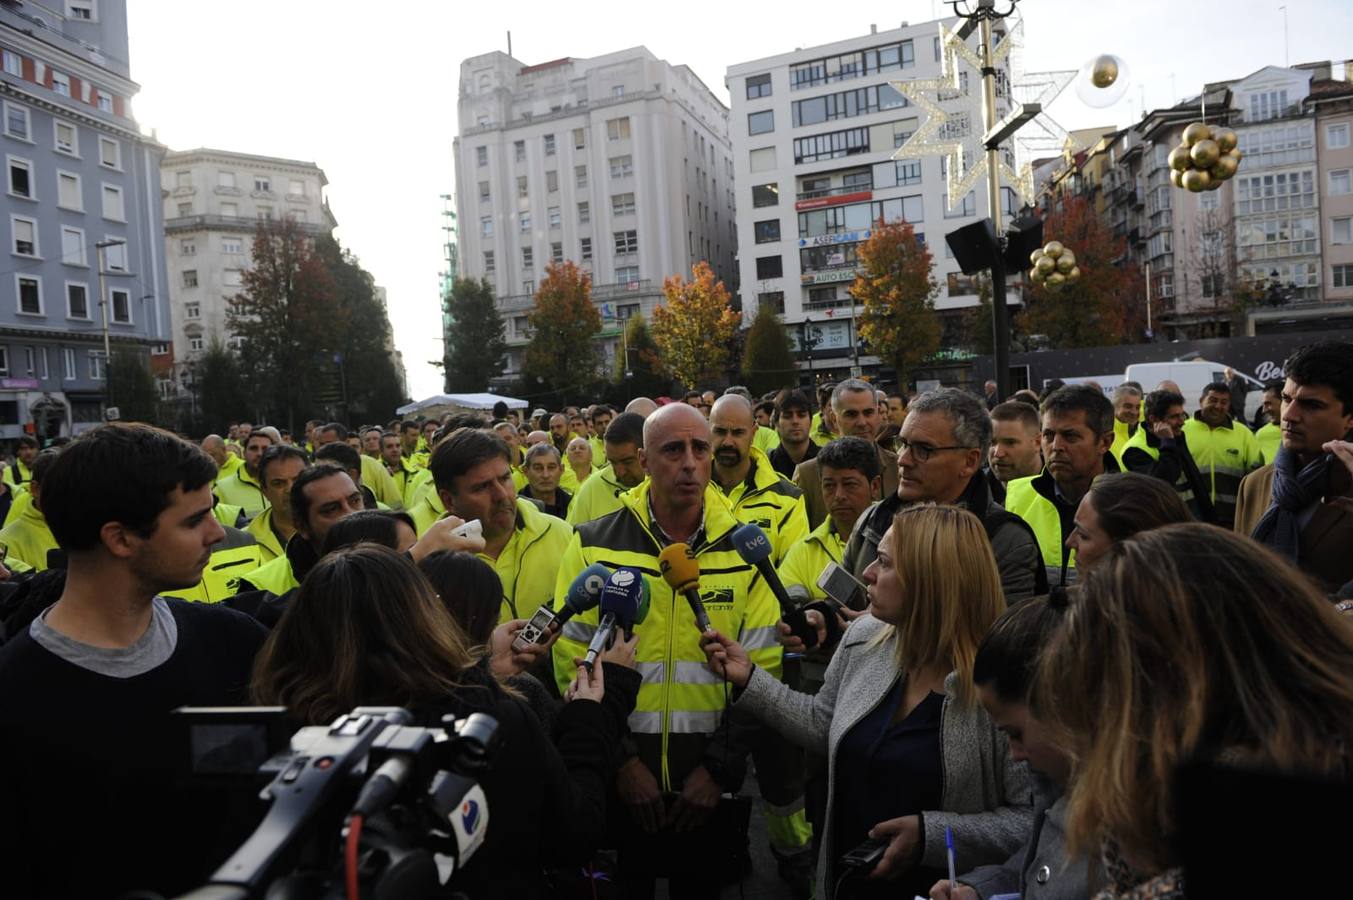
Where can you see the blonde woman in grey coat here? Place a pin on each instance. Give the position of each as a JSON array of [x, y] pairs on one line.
[[910, 751]]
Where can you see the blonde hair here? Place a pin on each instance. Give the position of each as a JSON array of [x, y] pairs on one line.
[[951, 590], [1189, 642]]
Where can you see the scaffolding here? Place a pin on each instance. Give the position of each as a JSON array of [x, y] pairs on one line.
[[451, 259]]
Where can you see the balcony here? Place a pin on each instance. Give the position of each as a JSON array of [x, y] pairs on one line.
[[240, 224], [834, 192]]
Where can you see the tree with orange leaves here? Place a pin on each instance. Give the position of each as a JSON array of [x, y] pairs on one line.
[[562, 357], [897, 289], [694, 328]]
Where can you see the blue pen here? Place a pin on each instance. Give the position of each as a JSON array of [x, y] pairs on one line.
[[949, 846]]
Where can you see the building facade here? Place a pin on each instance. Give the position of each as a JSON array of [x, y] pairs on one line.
[[213, 201], [82, 185], [813, 133], [619, 163]]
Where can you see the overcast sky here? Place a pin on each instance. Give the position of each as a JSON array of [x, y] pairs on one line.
[[368, 91]]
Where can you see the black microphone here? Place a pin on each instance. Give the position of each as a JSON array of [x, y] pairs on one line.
[[754, 547]]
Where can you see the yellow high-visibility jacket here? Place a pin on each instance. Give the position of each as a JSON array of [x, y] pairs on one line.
[[242, 489], [768, 499], [237, 555], [809, 556]]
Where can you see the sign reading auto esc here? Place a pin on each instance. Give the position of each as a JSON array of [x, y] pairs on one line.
[[836, 200]]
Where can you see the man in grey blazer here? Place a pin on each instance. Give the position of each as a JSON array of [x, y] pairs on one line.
[[857, 415]]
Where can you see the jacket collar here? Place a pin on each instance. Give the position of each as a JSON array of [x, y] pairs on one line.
[[719, 520], [1047, 488]]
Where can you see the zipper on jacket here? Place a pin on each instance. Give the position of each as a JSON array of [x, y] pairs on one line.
[[668, 674]]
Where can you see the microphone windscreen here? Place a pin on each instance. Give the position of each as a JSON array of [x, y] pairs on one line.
[[798, 593], [751, 543], [585, 591], [645, 600], [620, 597], [679, 568]]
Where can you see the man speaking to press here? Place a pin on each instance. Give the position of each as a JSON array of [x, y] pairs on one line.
[[683, 752]]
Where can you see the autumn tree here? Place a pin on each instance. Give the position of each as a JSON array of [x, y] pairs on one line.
[[695, 327], [562, 358], [1106, 306], [217, 376], [474, 353], [637, 366], [768, 359], [131, 387], [897, 288]]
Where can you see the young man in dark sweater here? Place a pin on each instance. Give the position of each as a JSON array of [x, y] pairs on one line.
[[89, 759]]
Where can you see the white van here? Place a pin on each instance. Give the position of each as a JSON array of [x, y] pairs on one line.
[[1192, 376]]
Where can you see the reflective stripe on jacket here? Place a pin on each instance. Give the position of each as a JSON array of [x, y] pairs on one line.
[[237, 555]]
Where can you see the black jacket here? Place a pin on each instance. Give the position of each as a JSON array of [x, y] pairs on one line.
[[1175, 466]]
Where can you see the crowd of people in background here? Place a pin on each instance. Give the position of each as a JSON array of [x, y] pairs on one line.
[[1026, 623]]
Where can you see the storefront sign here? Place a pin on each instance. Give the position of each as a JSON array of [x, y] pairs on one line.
[[834, 200], [845, 237], [823, 335], [831, 276], [27, 384]]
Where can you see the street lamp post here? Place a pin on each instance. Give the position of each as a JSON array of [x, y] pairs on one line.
[[101, 247]]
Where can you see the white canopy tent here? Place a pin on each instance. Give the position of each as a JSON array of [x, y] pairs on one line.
[[441, 404]]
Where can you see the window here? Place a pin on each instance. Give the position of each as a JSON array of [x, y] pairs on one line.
[[855, 64], [77, 301], [1209, 200], [1336, 136], [195, 342], [584, 213], [483, 190], [68, 193], [188, 247], [21, 178], [626, 242], [25, 236], [1278, 145], [968, 207], [190, 278], [765, 195], [769, 267], [527, 257], [263, 184], [121, 304], [773, 301], [4, 360], [761, 122], [61, 83], [183, 179], [481, 156], [13, 63], [232, 245], [1267, 105], [186, 209], [96, 365], [831, 145], [626, 274], [112, 203], [105, 101], [68, 363], [522, 189], [524, 222], [622, 204], [231, 277], [265, 212], [192, 310], [579, 138], [45, 370], [580, 176], [908, 172], [1275, 193], [618, 129], [1340, 182], [758, 86], [549, 145], [552, 217], [80, 9], [72, 246], [528, 286], [552, 181], [519, 151], [67, 138], [225, 179], [486, 226], [618, 90], [1341, 276], [110, 153], [1341, 230], [762, 160], [30, 294], [585, 249], [16, 121], [622, 166], [767, 231], [295, 188], [489, 264], [556, 252], [846, 104]]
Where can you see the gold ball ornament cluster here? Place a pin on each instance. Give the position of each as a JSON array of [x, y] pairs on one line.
[[1204, 159], [1054, 266]]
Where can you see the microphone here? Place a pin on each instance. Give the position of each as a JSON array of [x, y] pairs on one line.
[[682, 572], [754, 547], [583, 594], [621, 599]]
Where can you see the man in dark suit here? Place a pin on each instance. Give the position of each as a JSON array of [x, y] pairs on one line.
[[857, 415]]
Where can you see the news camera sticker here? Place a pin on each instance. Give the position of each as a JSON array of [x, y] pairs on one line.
[[594, 583], [623, 578]]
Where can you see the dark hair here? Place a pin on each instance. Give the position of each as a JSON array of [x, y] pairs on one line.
[[120, 472], [407, 424], [43, 462], [377, 526], [850, 453], [277, 452], [337, 428], [1025, 395], [456, 423], [27, 440], [626, 428], [1007, 658], [1134, 384], [601, 409], [1325, 362], [1016, 411], [300, 503], [1275, 384], [765, 406], [500, 410], [462, 450], [1071, 398], [1215, 387], [1128, 503], [792, 399], [689, 394], [1159, 403], [343, 454], [470, 590]]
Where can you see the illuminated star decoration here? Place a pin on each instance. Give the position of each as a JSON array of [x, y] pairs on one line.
[[954, 132]]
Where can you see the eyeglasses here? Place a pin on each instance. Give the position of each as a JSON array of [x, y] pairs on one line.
[[922, 452]]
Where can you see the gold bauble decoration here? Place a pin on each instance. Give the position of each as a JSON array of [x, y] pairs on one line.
[[1235, 154], [1055, 281], [1204, 153], [1213, 184], [1177, 178], [1196, 132], [1053, 249], [1035, 256], [1046, 265], [1226, 139], [1074, 275], [1224, 167], [1179, 159], [1196, 180], [1104, 72], [1065, 263]]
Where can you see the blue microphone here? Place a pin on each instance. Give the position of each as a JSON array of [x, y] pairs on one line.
[[754, 547], [621, 601]]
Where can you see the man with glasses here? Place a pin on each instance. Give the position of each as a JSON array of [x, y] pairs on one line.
[[944, 439]]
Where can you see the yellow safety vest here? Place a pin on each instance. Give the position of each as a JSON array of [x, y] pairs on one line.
[[379, 481], [1182, 487], [229, 467], [241, 489], [598, 496], [1121, 438], [1269, 438], [806, 559], [261, 530], [275, 577], [768, 499], [238, 555], [765, 439], [1024, 498], [1223, 455], [25, 474], [28, 538]]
